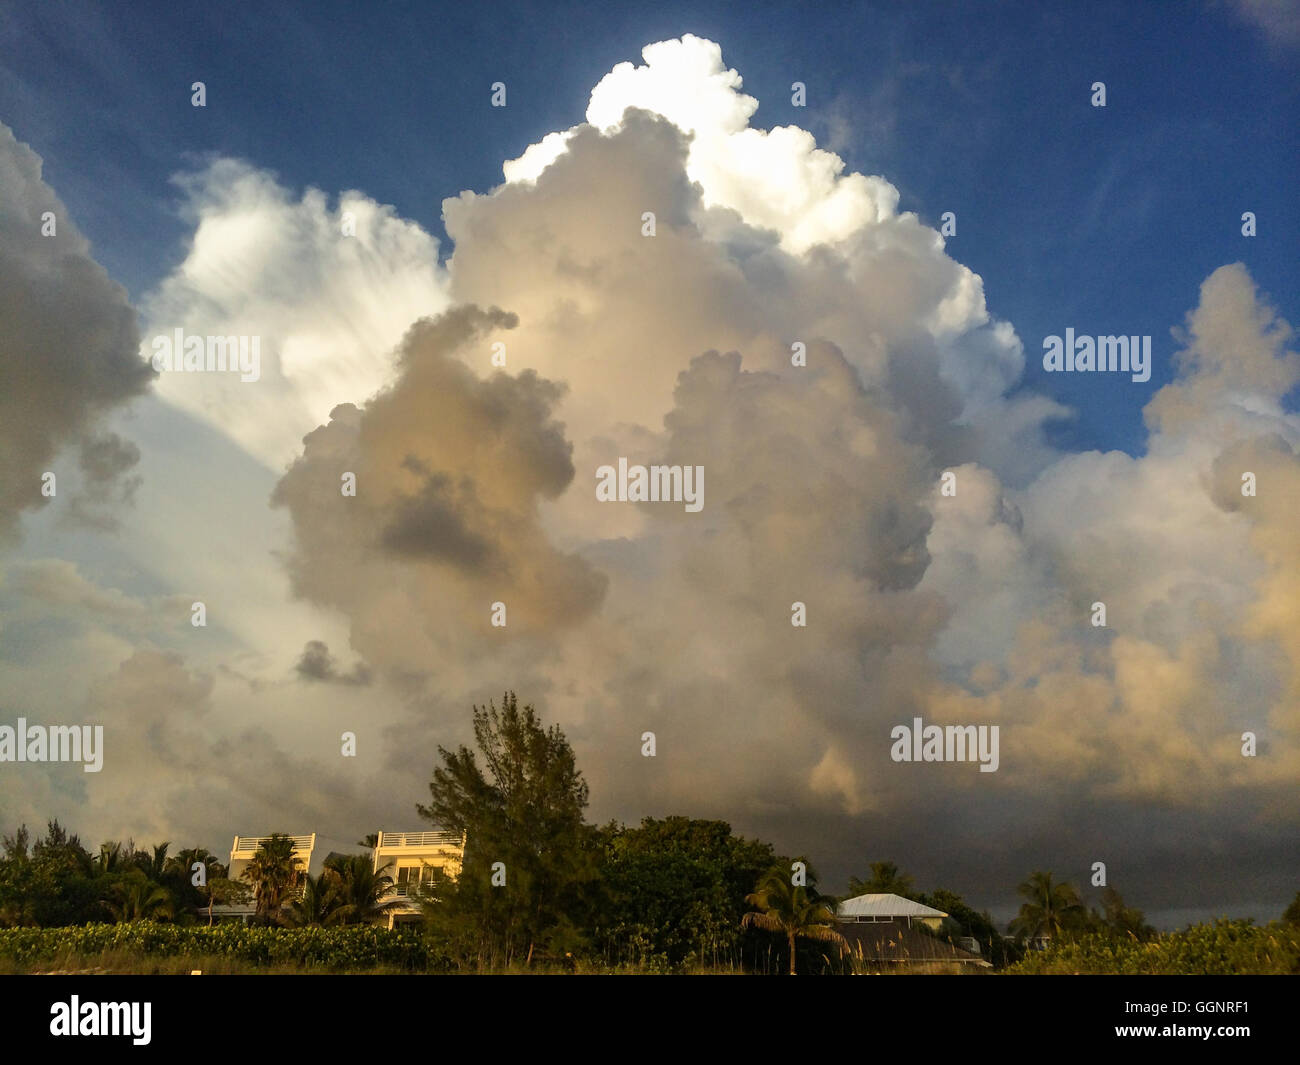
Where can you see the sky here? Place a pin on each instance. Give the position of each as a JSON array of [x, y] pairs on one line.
[[461, 305]]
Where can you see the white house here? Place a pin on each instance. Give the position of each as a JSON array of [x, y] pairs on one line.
[[411, 859], [241, 853], [244, 847], [408, 858], [881, 936], [877, 909]]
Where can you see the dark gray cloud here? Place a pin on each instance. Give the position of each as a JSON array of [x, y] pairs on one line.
[[450, 469], [317, 664], [68, 351]]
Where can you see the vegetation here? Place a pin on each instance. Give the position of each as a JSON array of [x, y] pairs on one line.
[[1222, 948], [273, 875], [531, 860], [356, 887], [1291, 915], [673, 895], [886, 879], [792, 911], [540, 889], [56, 881], [1050, 910], [963, 920], [352, 949]]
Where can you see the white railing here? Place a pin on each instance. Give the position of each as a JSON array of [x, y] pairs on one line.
[[249, 844], [420, 839]]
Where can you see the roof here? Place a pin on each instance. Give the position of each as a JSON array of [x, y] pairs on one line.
[[898, 944], [885, 906]]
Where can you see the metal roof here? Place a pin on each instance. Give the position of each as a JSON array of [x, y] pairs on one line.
[[885, 906]]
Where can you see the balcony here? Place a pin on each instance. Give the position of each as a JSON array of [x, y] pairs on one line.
[[420, 840], [246, 846]]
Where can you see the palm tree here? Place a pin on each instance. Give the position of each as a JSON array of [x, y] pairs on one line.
[[178, 874], [137, 898], [180, 866], [1048, 910], [320, 903], [359, 886], [273, 872], [886, 879], [152, 864], [791, 911], [110, 859]]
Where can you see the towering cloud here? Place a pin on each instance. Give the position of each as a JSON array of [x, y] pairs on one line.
[[823, 488], [781, 324]]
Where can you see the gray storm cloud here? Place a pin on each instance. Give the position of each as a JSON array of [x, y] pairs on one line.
[[68, 353], [317, 664], [449, 472]]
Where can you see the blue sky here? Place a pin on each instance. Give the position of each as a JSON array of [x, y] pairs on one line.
[[1103, 220]]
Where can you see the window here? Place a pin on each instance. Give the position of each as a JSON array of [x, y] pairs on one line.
[[410, 877]]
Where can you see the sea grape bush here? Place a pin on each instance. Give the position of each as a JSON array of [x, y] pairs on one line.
[[1223, 948], [355, 947]]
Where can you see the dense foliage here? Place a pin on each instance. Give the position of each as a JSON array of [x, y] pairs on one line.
[[674, 894], [357, 947], [1223, 948], [530, 862], [56, 881], [965, 920]]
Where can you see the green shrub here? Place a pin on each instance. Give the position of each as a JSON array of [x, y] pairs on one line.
[[354, 947], [1222, 948]]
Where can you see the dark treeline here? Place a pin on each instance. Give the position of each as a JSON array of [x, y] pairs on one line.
[[539, 886], [56, 881]]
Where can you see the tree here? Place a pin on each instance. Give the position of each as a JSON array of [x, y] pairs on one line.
[[273, 873], [1049, 911], [886, 879], [319, 903], [179, 869], [970, 922], [674, 891], [178, 875], [57, 882], [222, 891], [1291, 915], [1121, 920], [112, 858], [17, 887], [529, 853], [357, 887], [60, 877], [153, 863], [134, 897], [795, 912]]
